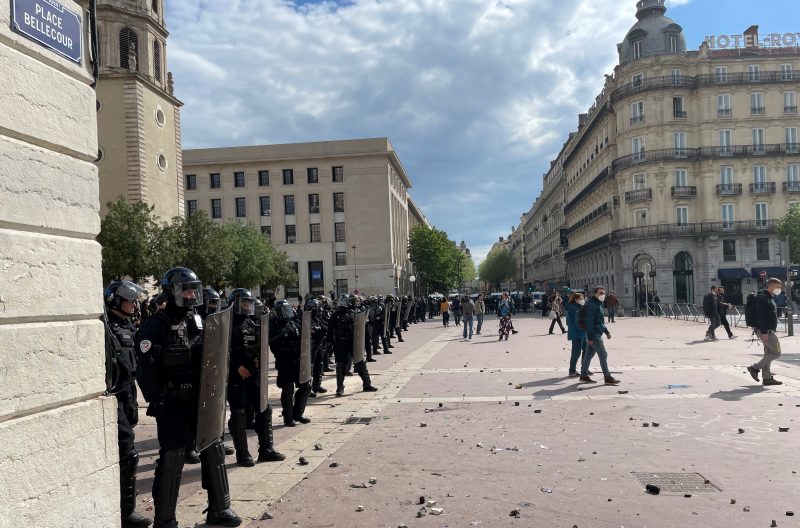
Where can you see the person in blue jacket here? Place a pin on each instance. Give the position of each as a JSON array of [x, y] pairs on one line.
[[592, 316], [574, 333]]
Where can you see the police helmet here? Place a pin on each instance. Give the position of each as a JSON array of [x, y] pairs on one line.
[[119, 291], [283, 310], [242, 301], [313, 305], [212, 302], [183, 287], [260, 308]]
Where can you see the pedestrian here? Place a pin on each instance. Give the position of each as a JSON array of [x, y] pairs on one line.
[[556, 312], [545, 305], [723, 312], [504, 312], [456, 309], [591, 317], [711, 312], [612, 304], [575, 334], [467, 309], [480, 310], [766, 322], [444, 307]]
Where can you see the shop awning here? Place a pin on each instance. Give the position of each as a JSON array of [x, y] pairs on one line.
[[733, 273], [778, 273]]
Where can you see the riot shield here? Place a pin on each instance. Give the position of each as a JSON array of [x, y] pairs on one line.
[[213, 379], [263, 365], [386, 314], [407, 311], [305, 348], [359, 331]]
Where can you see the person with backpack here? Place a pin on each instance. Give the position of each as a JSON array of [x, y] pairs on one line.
[[591, 319], [761, 313], [575, 334], [711, 312]]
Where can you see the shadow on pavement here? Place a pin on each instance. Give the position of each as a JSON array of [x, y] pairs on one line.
[[549, 393], [699, 342], [544, 382], [737, 394]]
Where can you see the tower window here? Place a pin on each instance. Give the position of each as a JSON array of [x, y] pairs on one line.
[[637, 49], [128, 50], [155, 6], [157, 61]]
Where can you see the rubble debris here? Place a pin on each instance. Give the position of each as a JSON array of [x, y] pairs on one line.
[[790, 514], [515, 513], [431, 503], [733, 501], [783, 429], [373, 480], [655, 424], [421, 499], [547, 490], [537, 411], [622, 392], [423, 424], [746, 509], [774, 524], [741, 431], [652, 489], [266, 516], [687, 495], [303, 461], [317, 447], [334, 465], [436, 511], [516, 404], [359, 508]]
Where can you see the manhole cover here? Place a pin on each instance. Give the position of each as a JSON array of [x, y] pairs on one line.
[[354, 420], [677, 482]]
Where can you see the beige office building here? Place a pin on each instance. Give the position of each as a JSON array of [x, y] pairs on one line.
[[340, 210], [677, 174]]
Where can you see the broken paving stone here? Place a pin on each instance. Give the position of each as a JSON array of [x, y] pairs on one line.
[[421, 499], [741, 431], [746, 509], [334, 464], [479, 444], [537, 411], [373, 480], [423, 424], [431, 503], [437, 511], [547, 490], [515, 513], [518, 387], [359, 508], [303, 461], [656, 424]]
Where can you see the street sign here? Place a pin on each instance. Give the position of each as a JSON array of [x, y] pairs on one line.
[[50, 24]]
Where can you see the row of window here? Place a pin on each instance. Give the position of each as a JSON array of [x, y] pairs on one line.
[[725, 141], [754, 74], [729, 250], [723, 106], [728, 215], [312, 176], [315, 236], [265, 205], [726, 177]]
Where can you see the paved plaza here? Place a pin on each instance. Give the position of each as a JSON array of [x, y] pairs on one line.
[[498, 435]]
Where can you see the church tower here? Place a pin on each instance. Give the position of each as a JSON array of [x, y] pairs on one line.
[[138, 116]]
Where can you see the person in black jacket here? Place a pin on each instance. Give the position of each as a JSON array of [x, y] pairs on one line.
[[723, 312], [711, 311], [766, 324], [594, 318]]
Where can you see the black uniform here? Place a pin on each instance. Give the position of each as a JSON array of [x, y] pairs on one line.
[[394, 320], [319, 350], [285, 346], [340, 334], [378, 334]]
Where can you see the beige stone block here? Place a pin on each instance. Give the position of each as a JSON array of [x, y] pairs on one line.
[[42, 105], [47, 363], [48, 276], [59, 468], [48, 190]]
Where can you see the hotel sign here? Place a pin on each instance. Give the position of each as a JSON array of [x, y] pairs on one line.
[[773, 40], [50, 24]]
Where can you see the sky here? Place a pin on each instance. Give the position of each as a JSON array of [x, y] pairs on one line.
[[477, 96]]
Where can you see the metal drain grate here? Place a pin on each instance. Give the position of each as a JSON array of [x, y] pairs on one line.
[[677, 482], [355, 420]]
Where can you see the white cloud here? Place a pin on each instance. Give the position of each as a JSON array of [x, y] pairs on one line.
[[476, 95]]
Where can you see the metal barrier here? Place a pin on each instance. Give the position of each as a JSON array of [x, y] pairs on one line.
[[693, 312]]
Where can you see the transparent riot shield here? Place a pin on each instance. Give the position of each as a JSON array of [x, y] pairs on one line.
[[263, 365], [359, 336], [386, 313], [407, 311], [305, 348], [213, 379]]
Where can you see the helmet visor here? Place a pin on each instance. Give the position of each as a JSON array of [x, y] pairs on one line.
[[188, 294], [245, 306], [284, 311], [129, 291]]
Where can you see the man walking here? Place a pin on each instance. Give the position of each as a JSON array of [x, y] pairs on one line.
[[467, 310], [592, 317], [711, 311], [766, 313], [480, 310], [612, 305], [723, 312]]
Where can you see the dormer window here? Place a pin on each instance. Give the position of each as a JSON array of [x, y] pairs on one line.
[[637, 49], [673, 44]]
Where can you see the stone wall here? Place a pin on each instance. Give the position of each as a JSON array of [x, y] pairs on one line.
[[58, 450]]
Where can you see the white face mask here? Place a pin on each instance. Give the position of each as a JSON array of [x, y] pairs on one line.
[[777, 291], [582, 302], [602, 298]]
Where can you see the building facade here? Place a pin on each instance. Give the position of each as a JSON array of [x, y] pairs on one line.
[[677, 174], [340, 210], [58, 432], [138, 116]]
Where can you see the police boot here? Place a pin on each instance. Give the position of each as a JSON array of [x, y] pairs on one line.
[[266, 451], [166, 483], [361, 368], [127, 480], [287, 404], [228, 449], [387, 344], [340, 370], [400, 337], [300, 401], [215, 480], [251, 418], [317, 387], [236, 425], [191, 456], [327, 365]]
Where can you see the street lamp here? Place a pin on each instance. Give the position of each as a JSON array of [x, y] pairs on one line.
[[412, 279], [355, 267]]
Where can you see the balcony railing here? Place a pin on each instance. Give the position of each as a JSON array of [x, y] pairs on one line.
[[683, 191], [637, 119], [758, 110], [729, 189], [762, 188], [724, 112], [789, 109], [731, 151], [642, 195], [791, 186], [699, 229], [680, 114]]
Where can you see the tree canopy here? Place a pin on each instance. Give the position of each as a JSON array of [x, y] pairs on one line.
[[128, 236], [498, 267], [438, 262], [789, 227]]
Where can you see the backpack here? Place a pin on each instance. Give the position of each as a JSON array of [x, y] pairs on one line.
[[582, 318], [750, 310]]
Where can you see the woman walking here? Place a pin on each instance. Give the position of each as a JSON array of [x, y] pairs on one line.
[[556, 311], [445, 309], [575, 334], [504, 312]]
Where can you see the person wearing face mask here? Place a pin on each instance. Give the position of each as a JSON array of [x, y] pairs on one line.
[[575, 334], [766, 323], [592, 319]]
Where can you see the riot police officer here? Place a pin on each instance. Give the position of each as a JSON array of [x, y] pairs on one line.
[[244, 382], [395, 319], [169, 350], [120, 299], [212, 303], [285, 328], [341, 333], [318, 345], [369, 343]]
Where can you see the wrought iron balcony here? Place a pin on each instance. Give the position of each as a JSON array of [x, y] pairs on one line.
[[729, 189], [637, 119], [683, 191], [731, 151], [680, 114], [698, 229], [642, 195], [724, 112], [791, 186], [789, 109], [762, 188], [758, 110]]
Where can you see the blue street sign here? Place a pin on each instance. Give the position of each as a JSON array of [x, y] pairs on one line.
[[50, 24], [316, 274]]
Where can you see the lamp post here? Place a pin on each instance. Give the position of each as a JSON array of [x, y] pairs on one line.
[[412, 279], [355, 267]]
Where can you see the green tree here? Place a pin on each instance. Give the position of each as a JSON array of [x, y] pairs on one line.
[[789, 227], [252, 259], [201, 245], [437, 260], [468, 272], [498, 267], [128, 235]]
